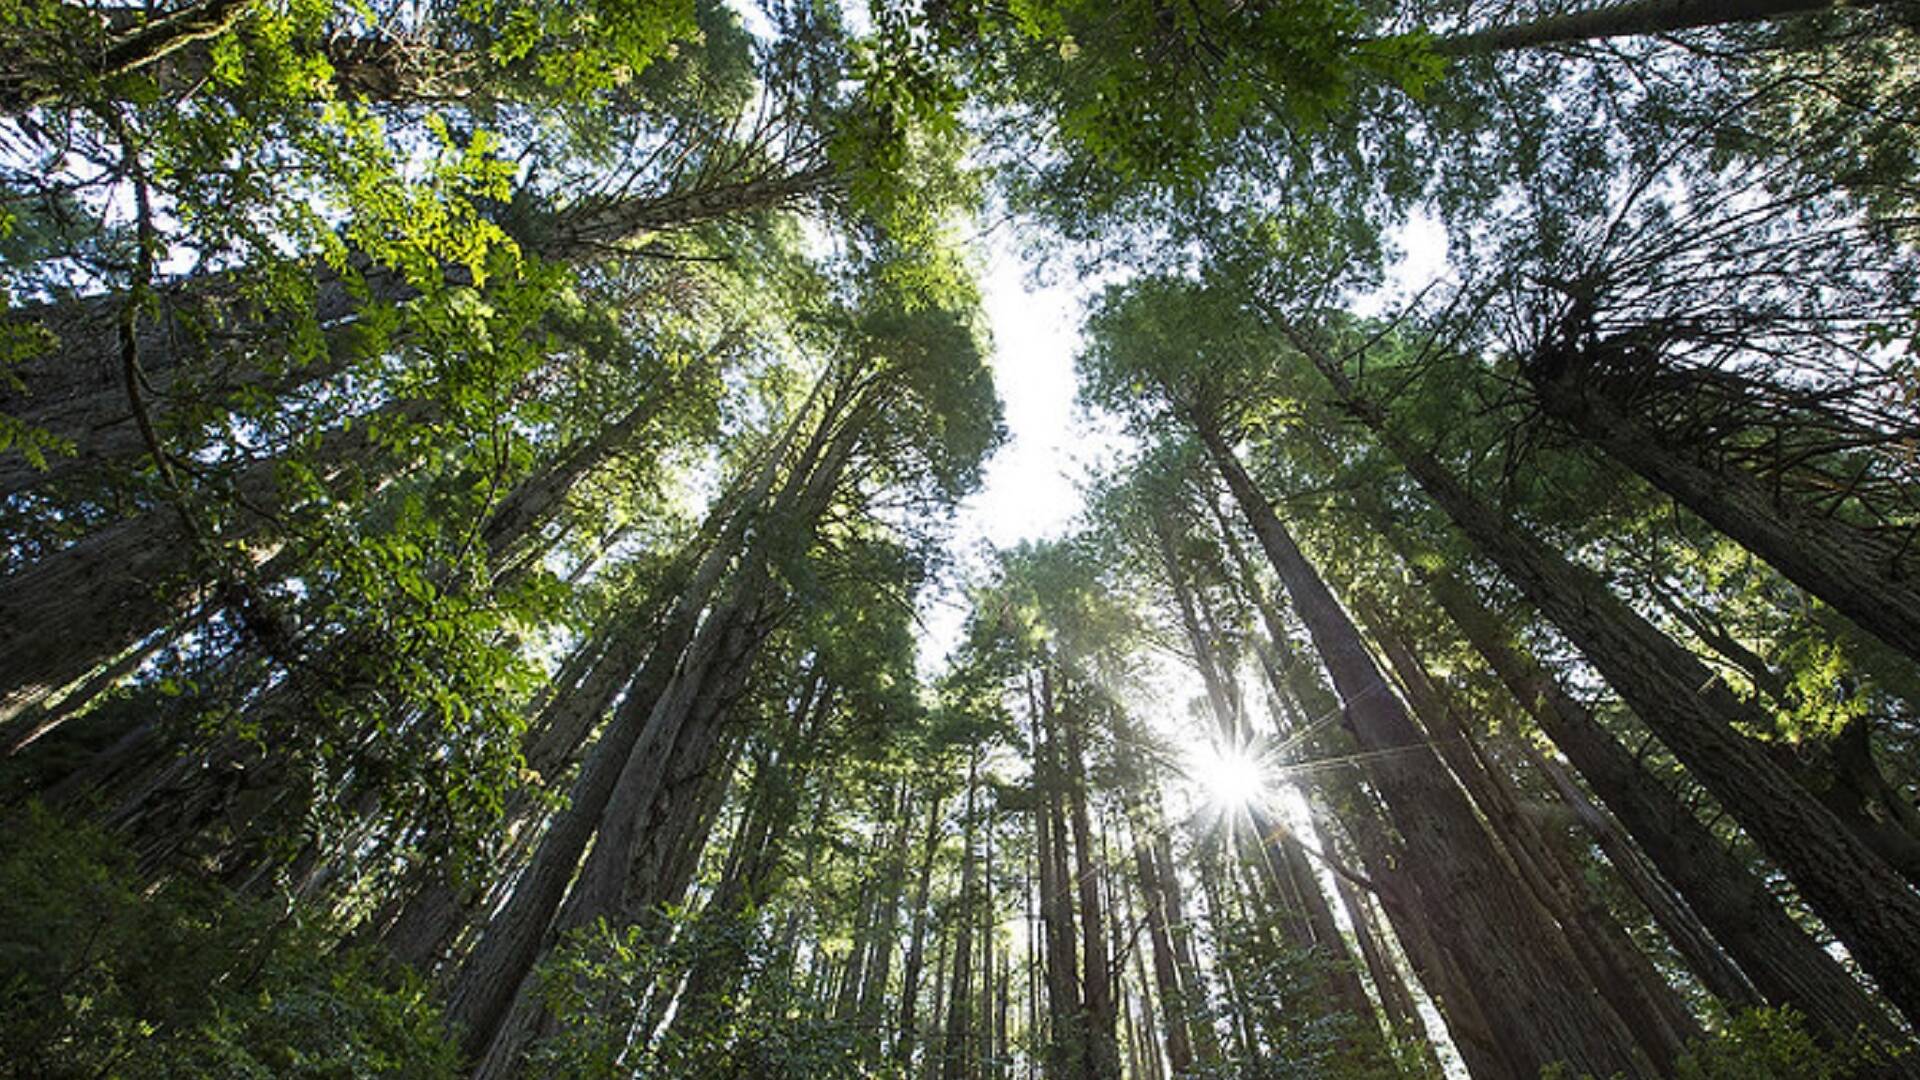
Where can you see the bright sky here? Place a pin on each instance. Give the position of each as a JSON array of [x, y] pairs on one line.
[[1028, 490]]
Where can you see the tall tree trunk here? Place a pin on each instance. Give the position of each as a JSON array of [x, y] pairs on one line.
[[860, 940], [1866, 903], [683, 727], [76, 391], [954, 1063], [114, 47], [1298, 692], [1514, 958], [712, 982], [891, 883], [1205, 656], [988, 922], [1653, 1013], [71, 611], [1633, 18], [1870, 577], [1395, 1000], [1065, 1048], [515, 936], [1786, 964], [1238, 1011], [537, 499], [905, 1029], [1102, 1050], [438, 907], [1166, 970], [1317, 933], [1704, 957], [930, 1067]]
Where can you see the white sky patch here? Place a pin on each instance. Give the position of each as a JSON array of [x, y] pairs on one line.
[[1029, 489], [1421, 245]]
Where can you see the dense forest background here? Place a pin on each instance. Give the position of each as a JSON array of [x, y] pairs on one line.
[[474, 475]]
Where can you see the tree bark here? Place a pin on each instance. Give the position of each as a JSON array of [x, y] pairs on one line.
[[1633, 18], [1866, 903], [1786, 964], [1545, 1012], [1870, 577], [116, 51], [1299, 692], [66, 614], [1065, 1011], [1102, 1049], [492, 974], [916, 941], [1659, 1022], [954, 1056]]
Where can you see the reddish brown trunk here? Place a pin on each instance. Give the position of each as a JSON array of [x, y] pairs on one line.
[[1868, 905], [1631, 18], [1544, 1011], [1787, 965], [1870, 576]]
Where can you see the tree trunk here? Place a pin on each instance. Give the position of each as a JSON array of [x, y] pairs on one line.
[[917, 940], [1298, 690], [1633, 18], [890, 883], [954, 1063], [1866, 903], [1868, 576], [534, 501], [110, 51], [1166, 971], [1786, 964], [76, 391], [1653, 1013], [1065, 1048], [439, 909], [1689, 936], [622, 870], [1395, 1000], [66, 614], [514, 938], [1102, 1049], [1317, 933], [1513, 957]]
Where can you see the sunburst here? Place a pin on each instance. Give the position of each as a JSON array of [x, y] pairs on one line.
[[1236, 781]]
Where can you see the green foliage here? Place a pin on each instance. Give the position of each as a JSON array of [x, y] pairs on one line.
[[104, 977], [603, 979], [1768, 1044], [1772, 1044], [584, 47], [1146, 92]]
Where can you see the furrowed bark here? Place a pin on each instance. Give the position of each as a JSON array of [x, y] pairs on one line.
[[1545, 1012], [1866, 903], [1784, 963], [1871, 577]]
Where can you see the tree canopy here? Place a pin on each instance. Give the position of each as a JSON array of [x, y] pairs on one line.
[[490, 582]]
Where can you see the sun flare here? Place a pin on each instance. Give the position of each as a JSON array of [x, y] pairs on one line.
[[1233, 777]]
